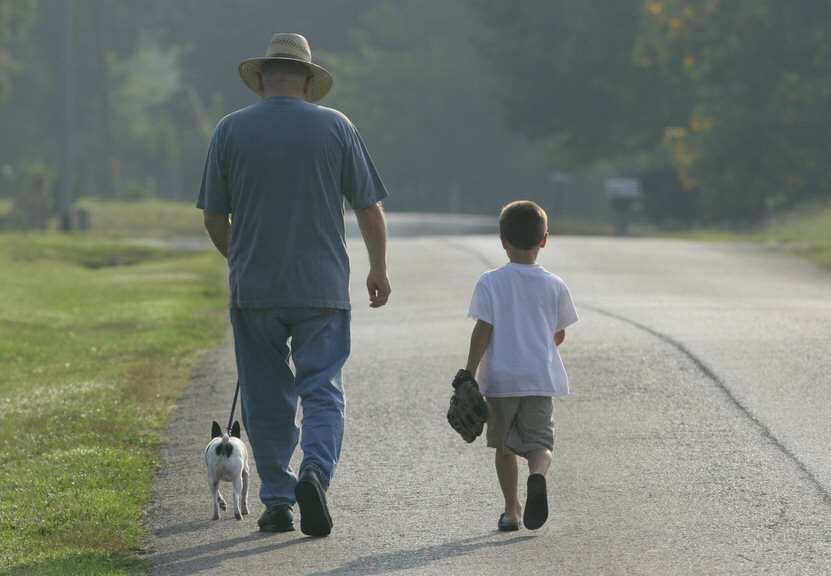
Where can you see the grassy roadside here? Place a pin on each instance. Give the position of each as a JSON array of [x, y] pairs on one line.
[[145, 219], [96, 341], [805, 232]]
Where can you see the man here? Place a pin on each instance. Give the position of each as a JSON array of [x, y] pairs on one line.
[[281, 169]]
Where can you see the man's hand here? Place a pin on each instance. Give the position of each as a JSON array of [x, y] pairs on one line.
[[378, 286], [373, 227]]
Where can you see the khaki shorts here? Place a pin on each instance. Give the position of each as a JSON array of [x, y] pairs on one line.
[[521, 424]]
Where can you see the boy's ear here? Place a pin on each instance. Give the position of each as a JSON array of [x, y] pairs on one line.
[[544, 240], [235, 429], [216, 431]]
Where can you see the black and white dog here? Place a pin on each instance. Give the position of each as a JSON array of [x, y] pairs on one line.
[[227, 459]]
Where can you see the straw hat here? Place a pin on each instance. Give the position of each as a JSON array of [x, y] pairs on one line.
[[287, 46]]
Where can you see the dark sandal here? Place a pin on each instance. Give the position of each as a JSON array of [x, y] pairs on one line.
[[536, 503], [506, 525]]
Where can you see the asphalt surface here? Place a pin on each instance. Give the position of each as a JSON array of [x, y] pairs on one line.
[[696, 440]]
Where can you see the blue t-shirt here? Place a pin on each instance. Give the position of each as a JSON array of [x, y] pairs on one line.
[[282, 168]]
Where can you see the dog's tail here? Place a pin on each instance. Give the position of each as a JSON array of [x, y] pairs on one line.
[[225, 448]]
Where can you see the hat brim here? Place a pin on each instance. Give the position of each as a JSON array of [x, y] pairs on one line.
[[319, 84]]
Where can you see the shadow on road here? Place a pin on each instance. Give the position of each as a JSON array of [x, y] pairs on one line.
[[207, 556], [420, 557], [182, 528]]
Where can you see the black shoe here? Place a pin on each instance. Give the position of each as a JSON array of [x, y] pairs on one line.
[[314, 514], [536, 503], [276, 519]]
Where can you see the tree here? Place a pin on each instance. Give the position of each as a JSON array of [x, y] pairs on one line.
[[759, 72], [16, 19], [147, 85], [568, 77], [416, 89]]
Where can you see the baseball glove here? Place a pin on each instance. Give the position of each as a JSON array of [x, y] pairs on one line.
[[468, 410]]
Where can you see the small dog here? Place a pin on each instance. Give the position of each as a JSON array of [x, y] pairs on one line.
[[227, 459]]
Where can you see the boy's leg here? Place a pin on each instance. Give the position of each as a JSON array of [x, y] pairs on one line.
[[539, 461], [500, 421], [532, 435], [508, 473]]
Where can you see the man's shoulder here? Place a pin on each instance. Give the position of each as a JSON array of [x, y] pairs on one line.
[[227, 121], [333, 114]]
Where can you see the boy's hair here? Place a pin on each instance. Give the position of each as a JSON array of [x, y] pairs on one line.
[[523, 224]]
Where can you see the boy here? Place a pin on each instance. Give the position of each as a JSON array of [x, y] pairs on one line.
[[521, 313]]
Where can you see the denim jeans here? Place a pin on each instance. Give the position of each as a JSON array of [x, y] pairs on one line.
[[318, 342]]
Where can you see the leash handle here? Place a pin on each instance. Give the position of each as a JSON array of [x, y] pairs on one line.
[[233, 409]]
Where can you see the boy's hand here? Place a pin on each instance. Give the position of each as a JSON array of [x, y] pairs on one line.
[[468, 410]]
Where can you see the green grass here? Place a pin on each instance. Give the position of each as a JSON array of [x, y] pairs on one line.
[[96, 341], [143, 219], [805, 232]]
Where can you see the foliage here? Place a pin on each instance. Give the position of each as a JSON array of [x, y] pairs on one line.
[[16, 18], [33, 197], [760, 74], [567, 76], [148, 83], [733, 94], [415, 88]]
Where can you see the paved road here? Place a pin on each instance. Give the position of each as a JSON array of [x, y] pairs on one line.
[[696, 440]]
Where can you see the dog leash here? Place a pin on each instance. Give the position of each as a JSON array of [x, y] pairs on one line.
[[233, 409]]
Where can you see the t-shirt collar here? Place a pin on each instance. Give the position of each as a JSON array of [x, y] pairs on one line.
[[522, 266]]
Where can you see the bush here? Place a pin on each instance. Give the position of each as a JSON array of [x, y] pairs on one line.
[[33, 197]]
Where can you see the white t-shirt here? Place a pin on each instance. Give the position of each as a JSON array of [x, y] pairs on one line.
[[526, 304]]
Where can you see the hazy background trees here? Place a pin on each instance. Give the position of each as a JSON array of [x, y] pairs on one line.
[[717, 107]]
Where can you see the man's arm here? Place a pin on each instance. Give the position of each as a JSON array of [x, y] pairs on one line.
[[479, 340], [219, 229], [373, 227], [559, 337]]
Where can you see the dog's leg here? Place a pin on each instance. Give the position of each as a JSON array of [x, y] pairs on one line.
[[222, 505], [213, 484], [245, 490], [237, 497]]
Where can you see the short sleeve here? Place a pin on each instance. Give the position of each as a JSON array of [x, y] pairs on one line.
[[360, 182], [481, 305], [214, 195], [566, 313]]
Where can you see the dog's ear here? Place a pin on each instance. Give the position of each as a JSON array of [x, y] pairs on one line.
[[216, 430], [235, 429]]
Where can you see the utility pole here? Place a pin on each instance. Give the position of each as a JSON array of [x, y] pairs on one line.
[[68, 160]]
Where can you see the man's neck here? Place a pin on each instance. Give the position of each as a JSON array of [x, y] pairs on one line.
[[273, 91]]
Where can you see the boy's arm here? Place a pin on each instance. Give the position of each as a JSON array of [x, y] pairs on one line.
[[559, 337], [479, 340]]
